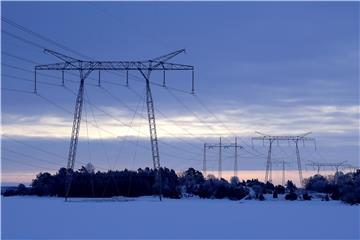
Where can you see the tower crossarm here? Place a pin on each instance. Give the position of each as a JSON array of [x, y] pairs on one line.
[[209, 146], [61, 56], [284, 138], [113, 65], [166, 57], [318, 164]]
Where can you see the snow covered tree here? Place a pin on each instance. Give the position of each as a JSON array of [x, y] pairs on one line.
[[279, 189], [290, 186], [291, 196], [191, 180], [317, 183], [90, 168], [306, 196], [275, 194]]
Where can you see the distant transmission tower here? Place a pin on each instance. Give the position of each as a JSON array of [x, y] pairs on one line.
[[282, 163], [85, 68], [220, 147], [295, 139]]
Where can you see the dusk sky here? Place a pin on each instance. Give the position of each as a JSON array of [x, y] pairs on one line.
[[279, 68]]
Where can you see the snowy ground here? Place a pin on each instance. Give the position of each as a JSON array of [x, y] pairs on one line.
[[49, 218]]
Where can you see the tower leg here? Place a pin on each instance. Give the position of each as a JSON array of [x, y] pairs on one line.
[[299, 162], [153, 135], [268, 163], [270, 172], [204, 161], [283, 173], [74, 135], [220, 160], [235, 160]]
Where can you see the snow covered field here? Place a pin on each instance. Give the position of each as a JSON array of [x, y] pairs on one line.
[[146, 217]]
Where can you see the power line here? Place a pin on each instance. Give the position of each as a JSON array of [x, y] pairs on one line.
[[28, 80], [40, 149], [104, 130], [190, 111], [50, 84], [60, 46], [209, 126], [25, 164], [141, 100], [35, 148], [99, 133], [225, 126], [42, 74], [17, 57], [69, 112], [40, 36], [22, 39], [129, 126], [16, 90], [168, 119], [24, 29], [131, 109], [28, 156]]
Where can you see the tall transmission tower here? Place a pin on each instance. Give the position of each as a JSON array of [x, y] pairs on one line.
[[220, 147], [85, 68], [272, 139]]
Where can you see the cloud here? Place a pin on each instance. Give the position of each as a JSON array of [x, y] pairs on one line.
[[325, 79], [240, 121]]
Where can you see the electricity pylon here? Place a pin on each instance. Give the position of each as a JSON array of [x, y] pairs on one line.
[[85, 68], [221, 146], [295, 139]]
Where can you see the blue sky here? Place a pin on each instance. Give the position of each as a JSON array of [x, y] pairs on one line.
[[278, 68]]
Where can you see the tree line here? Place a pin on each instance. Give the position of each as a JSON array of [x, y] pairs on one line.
[[340, 186], [88, 183]]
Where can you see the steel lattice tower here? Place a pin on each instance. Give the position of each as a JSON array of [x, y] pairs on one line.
[[295, 139], [220, 147], [87, 67]]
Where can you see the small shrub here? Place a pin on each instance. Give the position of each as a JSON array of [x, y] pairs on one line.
[[268, 187], [261, 197], [237, 193], [280, 189], [22, 190], [291, 196], [335, 195], [9, 192], [306, 197], [275, 194], [290, 186], [317, 183]]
